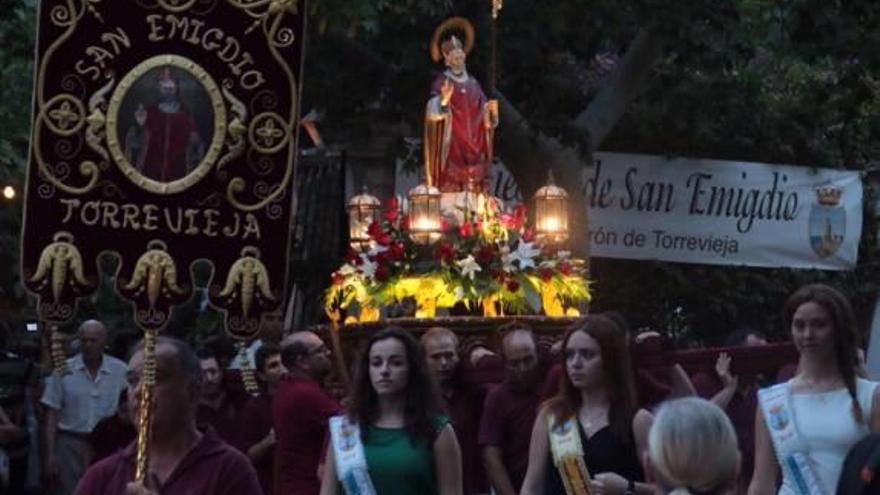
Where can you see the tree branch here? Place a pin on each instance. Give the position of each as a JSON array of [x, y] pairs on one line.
[[623, 85], [529, 155]]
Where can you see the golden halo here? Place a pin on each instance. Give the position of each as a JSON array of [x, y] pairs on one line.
[[452, 23]]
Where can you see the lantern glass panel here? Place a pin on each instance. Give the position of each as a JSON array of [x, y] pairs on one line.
[[425, 220], [362, 211], [551, 214]]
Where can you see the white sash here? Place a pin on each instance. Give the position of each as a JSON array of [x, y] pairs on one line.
[[348, 454], [568, 455], [791, 451]]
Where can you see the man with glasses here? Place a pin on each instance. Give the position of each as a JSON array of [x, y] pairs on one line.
[[183, 459], [300, 412]]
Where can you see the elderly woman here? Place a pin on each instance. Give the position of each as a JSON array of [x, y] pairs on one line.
[[692, 449]]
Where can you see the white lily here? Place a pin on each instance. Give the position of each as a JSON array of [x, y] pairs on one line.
[[469, 266], [376, 249], [347, 269], [507, 259], [459, 293], [525, 254], [369, 268]]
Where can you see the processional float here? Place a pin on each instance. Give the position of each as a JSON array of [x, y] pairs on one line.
[[164, 133], [449, 253]]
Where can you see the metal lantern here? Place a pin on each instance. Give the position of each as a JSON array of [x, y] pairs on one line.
[[362, 211], [551, 213], [425, 223]]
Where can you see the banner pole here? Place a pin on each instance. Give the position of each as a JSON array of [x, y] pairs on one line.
[[145, 416], [338, 356]]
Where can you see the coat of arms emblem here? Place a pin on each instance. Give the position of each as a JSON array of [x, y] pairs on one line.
[[778, 417], [827, 221]]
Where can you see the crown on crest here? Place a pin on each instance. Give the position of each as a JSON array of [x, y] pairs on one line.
[[828, 195]]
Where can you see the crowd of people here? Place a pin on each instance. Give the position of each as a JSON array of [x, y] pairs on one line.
[[431, 416]]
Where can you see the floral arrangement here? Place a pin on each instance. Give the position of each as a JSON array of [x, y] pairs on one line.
[[488, 259]]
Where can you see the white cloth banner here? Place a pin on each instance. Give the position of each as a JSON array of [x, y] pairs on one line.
[[714, 212]]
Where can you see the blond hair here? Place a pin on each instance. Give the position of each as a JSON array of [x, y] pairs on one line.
[[692, 448]]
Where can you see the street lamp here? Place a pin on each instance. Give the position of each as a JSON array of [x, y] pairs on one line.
[[362, 210], [551, 213], [424, 214]]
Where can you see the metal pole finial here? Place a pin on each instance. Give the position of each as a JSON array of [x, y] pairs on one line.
[[496, 7]]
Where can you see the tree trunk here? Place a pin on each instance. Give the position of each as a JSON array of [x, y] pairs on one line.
[[529, 155]]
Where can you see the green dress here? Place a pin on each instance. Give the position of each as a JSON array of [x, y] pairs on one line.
[[398, 466]]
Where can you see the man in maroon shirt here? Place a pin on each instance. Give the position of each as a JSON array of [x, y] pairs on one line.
[[300, 413], [463, 402], [183, 459], [509, 412], [221, 404], [256, 419]]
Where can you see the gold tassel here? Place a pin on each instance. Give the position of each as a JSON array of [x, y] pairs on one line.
[[248, 375]]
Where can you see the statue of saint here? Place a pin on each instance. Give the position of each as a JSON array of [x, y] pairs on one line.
[[164, 144], [460, 121]]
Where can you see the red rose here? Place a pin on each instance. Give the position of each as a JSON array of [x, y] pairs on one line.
[[375, 229], [354, 258], [404, 222], [397, 250], [382, 257], [508, 221], [392, 209], [382, 273], [528, 235], [351, 255], [546, 273], [444, 224], [564, 268], [485, 255], [337, 278], [512, 285], [383, 239], [444, 252], [466, 229], [514, 220]]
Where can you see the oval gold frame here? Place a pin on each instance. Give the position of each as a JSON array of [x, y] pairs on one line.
[[211, 155]]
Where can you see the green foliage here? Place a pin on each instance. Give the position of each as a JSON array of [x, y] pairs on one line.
[[782, 82], [16, 73]]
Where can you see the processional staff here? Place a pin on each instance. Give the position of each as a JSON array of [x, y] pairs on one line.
[[493, 67]]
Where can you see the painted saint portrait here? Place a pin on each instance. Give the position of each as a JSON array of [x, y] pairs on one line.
[[165, 123]]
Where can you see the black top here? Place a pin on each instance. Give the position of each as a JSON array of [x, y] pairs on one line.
[[604, 452]]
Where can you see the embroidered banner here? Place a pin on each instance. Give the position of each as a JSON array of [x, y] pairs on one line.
[[164, 132]]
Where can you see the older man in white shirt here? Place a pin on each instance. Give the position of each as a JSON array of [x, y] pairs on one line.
[[75, 401]]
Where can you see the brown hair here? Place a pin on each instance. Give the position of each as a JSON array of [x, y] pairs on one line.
[[422, 405], [616, 371], [846, 337]]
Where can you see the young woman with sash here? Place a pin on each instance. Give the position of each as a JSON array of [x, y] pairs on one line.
[[692, 449], [394, 440], [586, 440], [805, 426]]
